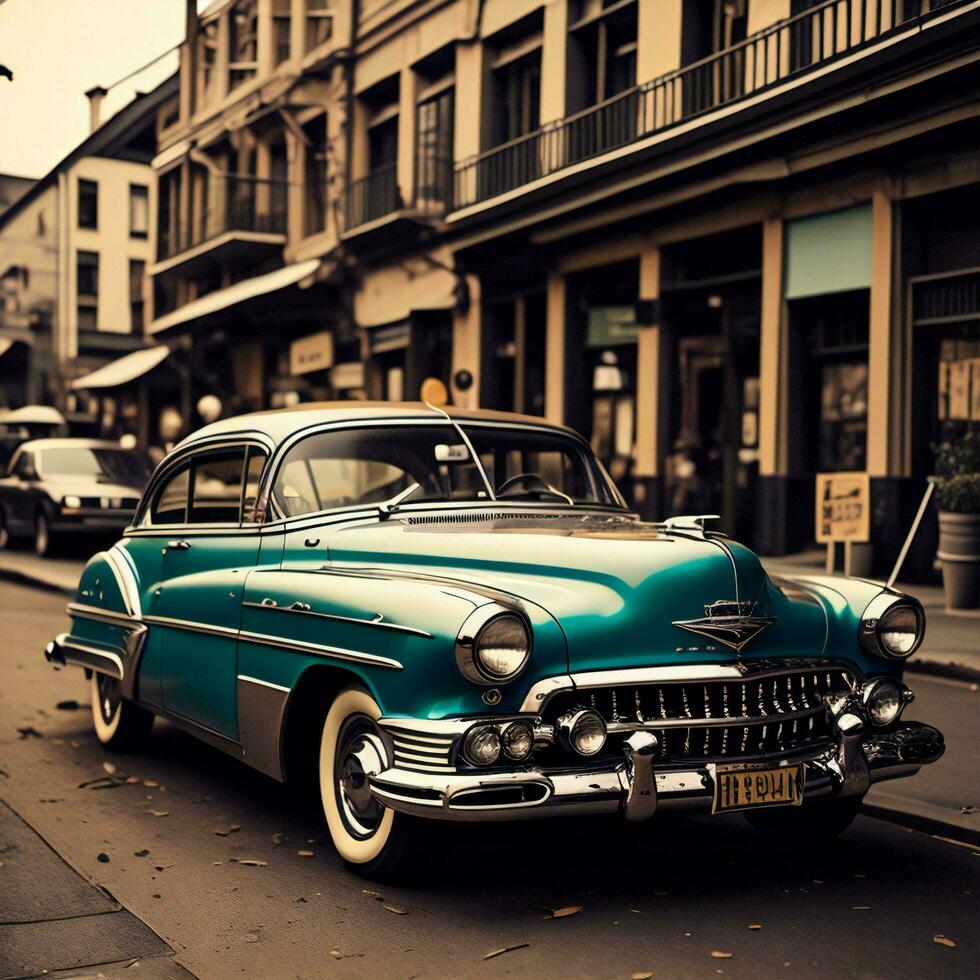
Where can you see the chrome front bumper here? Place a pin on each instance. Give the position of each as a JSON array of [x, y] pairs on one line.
[[637, 788]]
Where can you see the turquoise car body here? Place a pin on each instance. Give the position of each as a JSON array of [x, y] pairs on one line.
[[216, 628]]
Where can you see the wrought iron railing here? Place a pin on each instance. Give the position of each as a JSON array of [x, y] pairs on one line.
[[231, 203], [372, 197], [788, 48]]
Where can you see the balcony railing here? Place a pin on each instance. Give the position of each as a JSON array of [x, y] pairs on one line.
[[231, 204], [372, 197], [786, 49]]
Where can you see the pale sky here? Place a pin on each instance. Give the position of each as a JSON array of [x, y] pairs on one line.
[[57, 49]]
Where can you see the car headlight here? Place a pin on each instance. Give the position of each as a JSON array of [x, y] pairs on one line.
[[884, 700], [72, 502], [892, 626], [481, 746], [493, 644], [517, 740], [582, 731]]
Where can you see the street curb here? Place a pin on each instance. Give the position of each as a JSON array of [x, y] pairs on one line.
[[947, 669], [35, 582], [925, 825]]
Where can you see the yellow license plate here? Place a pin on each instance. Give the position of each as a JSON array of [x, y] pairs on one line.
[[742, 788]]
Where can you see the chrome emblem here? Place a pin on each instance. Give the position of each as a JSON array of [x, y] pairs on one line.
[[729, 622]]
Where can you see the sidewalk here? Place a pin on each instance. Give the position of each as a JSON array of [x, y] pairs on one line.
[[53, 574]]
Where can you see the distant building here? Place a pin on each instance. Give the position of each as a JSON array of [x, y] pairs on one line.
[[12, 188], [75, 247], [730, 238]]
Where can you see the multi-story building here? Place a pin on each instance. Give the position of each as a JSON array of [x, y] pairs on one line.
[[75, 249], [734, 242]]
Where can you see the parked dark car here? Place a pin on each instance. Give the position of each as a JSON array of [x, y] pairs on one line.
[[55, 487]]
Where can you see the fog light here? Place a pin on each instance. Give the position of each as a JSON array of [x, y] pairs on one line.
[[884, 700], [517, 740], [482, 746], [582, 731]]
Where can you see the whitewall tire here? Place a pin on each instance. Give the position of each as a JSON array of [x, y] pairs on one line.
[[373, 840], [119, 724]]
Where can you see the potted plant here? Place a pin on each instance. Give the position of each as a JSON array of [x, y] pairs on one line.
[[958, 502]]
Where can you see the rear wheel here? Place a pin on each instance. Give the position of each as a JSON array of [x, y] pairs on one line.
[[42, 535], [4, 532], [373, 840], [120, 725], [819, 819]]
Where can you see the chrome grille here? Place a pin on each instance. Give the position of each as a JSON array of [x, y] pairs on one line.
[[421, 751], [765, 711]]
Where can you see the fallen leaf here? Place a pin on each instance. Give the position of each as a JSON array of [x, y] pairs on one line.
[[216, 863], [278, 838], [377, 896], [141, 854], [253, 863], [861, 908], [29, 731], [755, 927], [719, 955], [336, 954], [944, 941], [817, 881], [68, 705], [505, 949], [103, 857], [233, 829], [132, 779], [162, 867], [641, 976], [160, 813], [568, 910], [109, 768], [150, 783], [396, 910], [968, 810], [305, 854]]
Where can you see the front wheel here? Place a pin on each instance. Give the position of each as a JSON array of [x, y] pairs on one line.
[[42, 535], [120, 725], [373, 840], [816, 820]]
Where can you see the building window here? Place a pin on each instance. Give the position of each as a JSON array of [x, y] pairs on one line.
[[315, 176], [139, 211], [319, 23], [602, 53], [517, 97], [243, 33], [87, 288], [434, 118], [137, 271], [207, 59], [88, 204], [168, 202], [280, 29]]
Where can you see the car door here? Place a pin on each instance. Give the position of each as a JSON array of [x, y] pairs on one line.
[[205, 562], [19, 493]]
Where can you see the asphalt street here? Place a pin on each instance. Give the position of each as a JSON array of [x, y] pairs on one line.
[[224, 873]]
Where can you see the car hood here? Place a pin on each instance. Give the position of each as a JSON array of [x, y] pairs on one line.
[[617, 588], [85, 486]]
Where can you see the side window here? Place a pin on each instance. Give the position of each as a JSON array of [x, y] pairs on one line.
[[216, 487], [24, 467], [253, 473], [170, 504]]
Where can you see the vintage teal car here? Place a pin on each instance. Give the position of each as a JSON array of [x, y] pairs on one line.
[[452, 615]]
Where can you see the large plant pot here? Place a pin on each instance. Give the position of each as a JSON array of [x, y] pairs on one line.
[[959, 551]]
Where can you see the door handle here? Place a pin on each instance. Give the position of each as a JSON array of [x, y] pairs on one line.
[[180, 545]]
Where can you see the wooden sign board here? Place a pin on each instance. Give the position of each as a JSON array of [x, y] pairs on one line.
[[843, 509]]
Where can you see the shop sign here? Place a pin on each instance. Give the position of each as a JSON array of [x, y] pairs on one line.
[[843, 507], [313, 353], [610, 326], [348, 375]]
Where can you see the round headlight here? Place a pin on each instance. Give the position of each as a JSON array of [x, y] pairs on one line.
[[502, 646], [899, 631], [883, 699], [582, 731], [482, 745], [517, 740], [72, 502]]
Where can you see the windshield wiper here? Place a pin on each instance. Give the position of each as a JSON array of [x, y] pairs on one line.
[[388, 507]]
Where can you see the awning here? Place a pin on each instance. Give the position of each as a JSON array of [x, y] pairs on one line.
[[223, 299], [33, 415], [390, 294], [124, 369], [171, 154]]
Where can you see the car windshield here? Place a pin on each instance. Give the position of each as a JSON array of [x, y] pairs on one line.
[[103, 464], [417, 463]]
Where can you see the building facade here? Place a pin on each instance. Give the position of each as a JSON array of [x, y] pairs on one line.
[[734, 242], [75, 252]]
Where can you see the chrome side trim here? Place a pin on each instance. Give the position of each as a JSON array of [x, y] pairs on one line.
[[126, 571], [256, 680], [318, 650], [192, 627], [374, 623], [79, 610]]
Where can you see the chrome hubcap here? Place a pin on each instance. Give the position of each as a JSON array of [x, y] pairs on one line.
[[109, 697], [360, 753]]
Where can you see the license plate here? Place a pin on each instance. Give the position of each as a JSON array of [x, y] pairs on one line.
[[743, 788]]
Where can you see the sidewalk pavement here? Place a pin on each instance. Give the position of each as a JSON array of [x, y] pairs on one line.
[[951, 647]]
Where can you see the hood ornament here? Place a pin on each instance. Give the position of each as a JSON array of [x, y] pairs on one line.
[[728, 621]]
